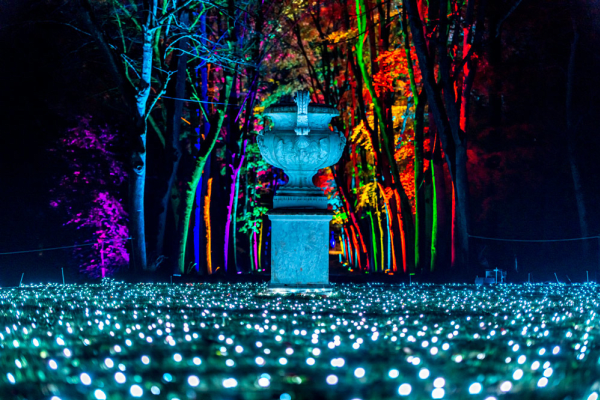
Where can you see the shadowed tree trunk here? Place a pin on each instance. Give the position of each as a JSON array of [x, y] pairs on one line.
[[572, 140], [173, 141]]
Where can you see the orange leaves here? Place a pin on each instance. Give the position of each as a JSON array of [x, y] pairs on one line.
[[342, 36], [360, 136], [366, 196], [393, 72]]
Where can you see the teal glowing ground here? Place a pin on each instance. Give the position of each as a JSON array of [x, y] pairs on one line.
[[233, 341]]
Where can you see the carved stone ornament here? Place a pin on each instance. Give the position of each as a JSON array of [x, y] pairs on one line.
[[302, 100], [301, 143]]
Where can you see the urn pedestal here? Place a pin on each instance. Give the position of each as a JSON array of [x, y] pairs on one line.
[[300, 143], [299, 252]]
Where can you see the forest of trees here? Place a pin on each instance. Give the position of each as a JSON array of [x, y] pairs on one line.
[[421, 88]]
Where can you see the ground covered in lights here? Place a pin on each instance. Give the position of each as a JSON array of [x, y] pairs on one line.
[[234, 341]]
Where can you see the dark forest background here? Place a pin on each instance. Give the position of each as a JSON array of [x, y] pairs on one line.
[[520, 178]]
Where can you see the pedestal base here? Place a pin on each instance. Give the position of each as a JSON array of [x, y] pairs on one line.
[[300, 251], [289, 289], [300, 198]]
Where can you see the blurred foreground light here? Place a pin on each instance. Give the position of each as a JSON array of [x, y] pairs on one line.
[[506, 386], [229, 383], [193, 380], [264, 382], [136, 391], [475, 388], [85, 379], [404, 389]]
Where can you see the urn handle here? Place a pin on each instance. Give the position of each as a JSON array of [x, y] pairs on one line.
[[302, 99]]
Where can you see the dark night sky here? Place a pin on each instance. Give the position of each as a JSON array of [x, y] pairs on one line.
[[50, 75]]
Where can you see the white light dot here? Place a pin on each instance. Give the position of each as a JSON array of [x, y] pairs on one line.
[[145, 360], [316, 352], [136, 391], [310, 361], [332, 380], [518, 374], [100, 394], [239, 349], [193, 380], [177, 357], [85, 379], [394, 373], [155, 390], [548, 372], [229, 383], [260, 361], [475, 388], [506, 386], [404, 389], [119, 377], [439, 382], [283, 361], [437, 393], [542, 382], [535, 365], [52, 364], [109, 363], [593, 396], [424, 373], [359, 372], [11, 378], [264, 382], [197, 361]]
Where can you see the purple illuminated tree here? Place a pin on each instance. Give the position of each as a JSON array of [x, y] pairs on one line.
[[88, 192]]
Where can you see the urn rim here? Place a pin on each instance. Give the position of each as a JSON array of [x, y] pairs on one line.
[[292, 108]]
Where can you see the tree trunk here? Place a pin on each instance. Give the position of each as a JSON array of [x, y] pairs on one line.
[[173, 144], [571, 142], [138, 176], [420, 209], [462, 206], [387, 144], [199, 225], [192, 186]]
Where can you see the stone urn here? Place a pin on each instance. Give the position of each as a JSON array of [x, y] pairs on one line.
[[301, 143]]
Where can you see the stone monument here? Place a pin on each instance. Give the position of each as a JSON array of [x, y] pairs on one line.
[[300, 143]]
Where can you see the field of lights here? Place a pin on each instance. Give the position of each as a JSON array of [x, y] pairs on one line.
[[234, 341]]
